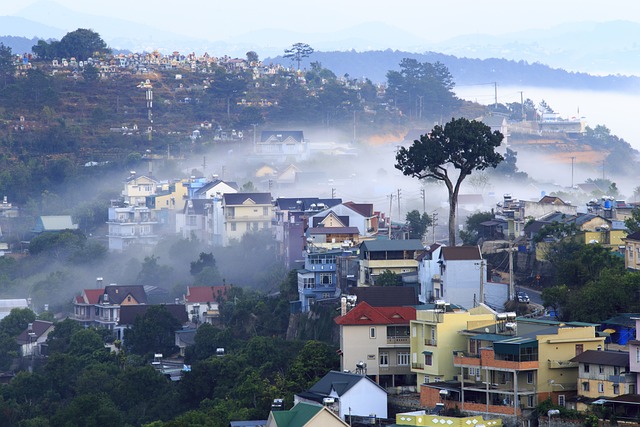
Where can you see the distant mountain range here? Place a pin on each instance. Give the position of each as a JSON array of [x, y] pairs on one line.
[[595, 48]]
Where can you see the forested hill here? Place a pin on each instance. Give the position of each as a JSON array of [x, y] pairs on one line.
[[375, 64]]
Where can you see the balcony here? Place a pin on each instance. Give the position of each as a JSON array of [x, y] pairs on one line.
[[432, 342], [404, 340], [419, 366], [560, 364]]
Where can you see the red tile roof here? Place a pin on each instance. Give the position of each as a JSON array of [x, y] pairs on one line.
[[90, 296], [205, 293], [364, 314]]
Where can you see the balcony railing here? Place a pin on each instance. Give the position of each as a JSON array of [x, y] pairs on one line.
[[398, 340], [417, 366], [428, 341], [559, 364]]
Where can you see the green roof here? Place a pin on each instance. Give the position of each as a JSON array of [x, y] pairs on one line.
[[297, 416]]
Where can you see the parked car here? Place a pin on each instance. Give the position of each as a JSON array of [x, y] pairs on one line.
[[523, 297]]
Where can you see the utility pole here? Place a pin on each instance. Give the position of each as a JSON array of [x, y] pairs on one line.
[[572, 160], [389, 219], [495, 94], [511, 288], [522, 107], [399, 215], [333, 193], [434, 222], [481, 280]]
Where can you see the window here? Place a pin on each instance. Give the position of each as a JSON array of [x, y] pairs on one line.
[[413, 331], [600, 388], [233, 226], [326, 279], [403, 359], [586, 368], [561, 400], [256, 226], [428, 359], [384, 359], [529, 377], [616, 389], [638, 354], [472, 372], [616, 370], [192, 220], [309, 282], [579, 349], [372, 333], [265, 211], [600, 369], [426, 379], [585, 386], [231, 212], [530, 401], [326, 295]]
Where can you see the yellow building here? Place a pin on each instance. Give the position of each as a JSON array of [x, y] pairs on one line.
[[603, 374], [245, 212], [435, 335], [632, 251], [557, 345], [421, 418]]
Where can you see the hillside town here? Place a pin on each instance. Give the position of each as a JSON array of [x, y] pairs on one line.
[[228, 270]]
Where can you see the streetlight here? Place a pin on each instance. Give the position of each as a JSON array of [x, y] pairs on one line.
[[551, 412]]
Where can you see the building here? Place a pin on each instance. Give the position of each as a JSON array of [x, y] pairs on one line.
[[54, 223], [32, 341], [317, 281], [463, 274], [378, 256], [348, 214], [435, 335], [244, 213], [603, 374], [375, 341], [131, 227], [632, 251], [347, 394], [305, 414], [203, 303]]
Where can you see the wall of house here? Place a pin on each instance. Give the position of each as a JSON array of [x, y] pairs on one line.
[[447, 339], [562, 347], [461, 282], [358, 346], [364, 399], [245, 217], [537, 210]]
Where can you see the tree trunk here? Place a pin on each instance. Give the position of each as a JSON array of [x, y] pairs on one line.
[[453, 203]]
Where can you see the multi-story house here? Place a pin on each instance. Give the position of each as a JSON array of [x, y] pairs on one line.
[[375, 341], [378, 256], [192, 222], [281, 146], [137, 189], [435, 334], [634, 351], [245, 212], [317, 280], [203, 303], [632, 251], [511, 367], [106, 310], [463, 274], [291, 221], [131, 226], [348, 214], [429, 274], [603, 374]]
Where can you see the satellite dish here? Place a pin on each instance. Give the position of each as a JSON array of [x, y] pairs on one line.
[[486, 330]]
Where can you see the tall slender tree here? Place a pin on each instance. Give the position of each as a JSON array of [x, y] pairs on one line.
[[459, 144], [297, 52]]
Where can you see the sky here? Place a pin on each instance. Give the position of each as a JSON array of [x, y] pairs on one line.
[[433, 21]]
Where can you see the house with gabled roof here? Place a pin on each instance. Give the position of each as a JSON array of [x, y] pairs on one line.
[[106, 304], [244, 213], [304, 415], [375, 340], [54, 223], [291, 221], [202, 303], [216, 188], [348, 214], [192, 220], [281, 146], [32, 339], [347, 394]]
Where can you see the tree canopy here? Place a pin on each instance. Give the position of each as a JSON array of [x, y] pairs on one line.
[[461, 145], [297, 52], [81, 44]]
